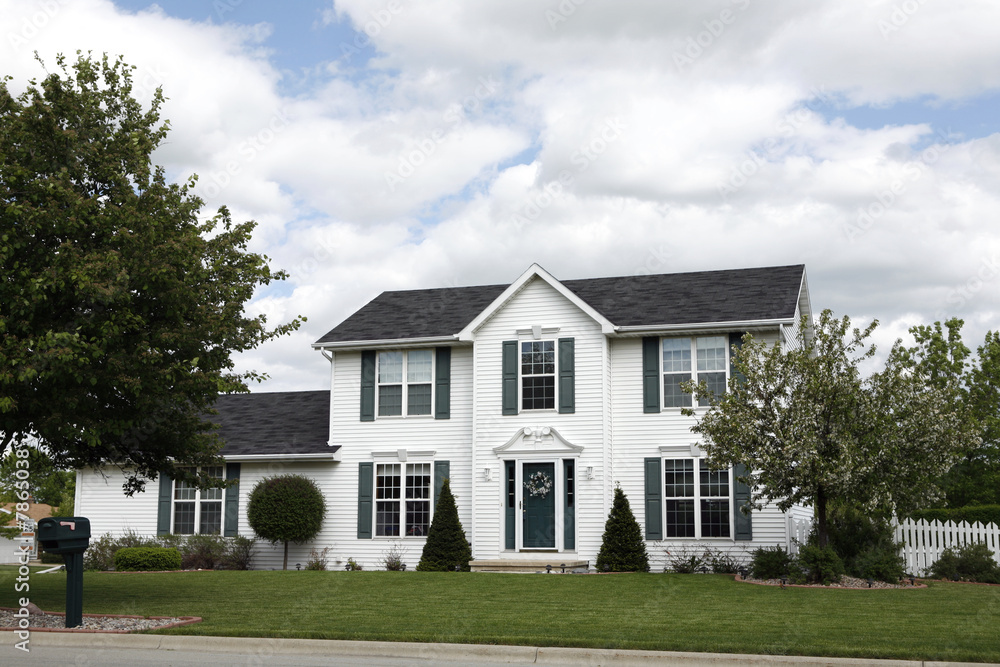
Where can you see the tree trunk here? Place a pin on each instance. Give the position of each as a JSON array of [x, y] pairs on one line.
[[821, 535], [284, 565]]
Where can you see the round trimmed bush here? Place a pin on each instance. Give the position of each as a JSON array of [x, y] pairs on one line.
[[286, 508]]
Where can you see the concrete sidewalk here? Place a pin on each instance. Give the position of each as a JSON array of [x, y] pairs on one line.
[[447, 652]]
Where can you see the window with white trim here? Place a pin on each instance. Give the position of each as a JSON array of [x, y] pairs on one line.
[[405, 382], [402, 499], [538, 375], [710, 356], [198, 511], [697, 499]]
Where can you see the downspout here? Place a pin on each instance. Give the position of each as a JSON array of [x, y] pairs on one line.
[[330, 357]]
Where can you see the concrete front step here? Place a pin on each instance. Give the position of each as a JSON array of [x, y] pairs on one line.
[[559, 565]]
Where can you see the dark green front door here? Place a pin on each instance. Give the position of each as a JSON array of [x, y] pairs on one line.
[[539, 515]]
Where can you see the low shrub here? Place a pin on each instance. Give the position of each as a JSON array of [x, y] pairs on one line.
[[392, 559], [820, 565], [146, 559], [770, 563], [239, 553], [724, 562], [880, 562], [317, 559], [353, 565], [683, 561], [971, 562], [100, 555]]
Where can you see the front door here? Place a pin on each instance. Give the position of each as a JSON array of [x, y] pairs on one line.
[[539, 506]]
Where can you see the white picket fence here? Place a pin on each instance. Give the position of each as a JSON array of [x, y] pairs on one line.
[[797, 534], [924, 541]]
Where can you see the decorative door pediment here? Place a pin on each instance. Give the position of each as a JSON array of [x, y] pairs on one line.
[[537, 440]]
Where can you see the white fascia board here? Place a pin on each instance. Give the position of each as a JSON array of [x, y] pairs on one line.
[[534, 271], [315, 456], [389, 343], [747, 325]]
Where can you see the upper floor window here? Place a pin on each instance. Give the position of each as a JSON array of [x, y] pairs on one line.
[[405, 379], [697, 499], [703, 359], [538, 375], [198, 511]]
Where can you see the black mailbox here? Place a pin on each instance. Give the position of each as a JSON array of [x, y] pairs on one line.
[[64, 534]]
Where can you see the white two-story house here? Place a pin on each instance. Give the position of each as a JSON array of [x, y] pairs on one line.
[[535, 399]]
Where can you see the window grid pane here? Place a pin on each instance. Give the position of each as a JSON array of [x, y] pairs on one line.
[[673, 395], [183, 518], [210, 519], [716, 383], [711, 353], [538, 393], [679, 474], [418, 399], [390, 401], [715, 518], [390, 367], [418, 366], [714, 483], [676, 355], [387, 519], [680, 518]]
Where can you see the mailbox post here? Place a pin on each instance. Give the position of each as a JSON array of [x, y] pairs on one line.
[[69, 536]]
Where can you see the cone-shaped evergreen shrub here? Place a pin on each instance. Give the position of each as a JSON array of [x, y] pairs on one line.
[[622, 547], [446, 545]]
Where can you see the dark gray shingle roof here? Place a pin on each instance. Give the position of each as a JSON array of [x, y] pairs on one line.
[[293, 422], [672, 298]]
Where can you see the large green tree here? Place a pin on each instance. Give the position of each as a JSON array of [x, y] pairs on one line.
[[811, 428], [120, 305], [38, 477]]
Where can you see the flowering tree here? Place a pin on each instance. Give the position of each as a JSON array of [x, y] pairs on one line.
[[810, 429]]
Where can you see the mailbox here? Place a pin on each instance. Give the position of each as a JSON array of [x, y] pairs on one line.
[[64, 534]]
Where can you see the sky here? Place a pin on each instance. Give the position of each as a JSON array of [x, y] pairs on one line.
[[391, 144]]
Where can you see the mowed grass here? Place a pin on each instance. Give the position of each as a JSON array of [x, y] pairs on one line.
[[708, 613]]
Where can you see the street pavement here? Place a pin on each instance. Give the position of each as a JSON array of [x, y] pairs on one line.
[[60, 649]]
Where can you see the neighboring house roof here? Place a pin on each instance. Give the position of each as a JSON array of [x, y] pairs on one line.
[[736, 295], [36, 512], [274, 424]]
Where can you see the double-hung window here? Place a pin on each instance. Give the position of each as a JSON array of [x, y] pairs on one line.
[[402, 499], [706, 357], [538, 375], [404, 382], [198, 511], [697, 499]]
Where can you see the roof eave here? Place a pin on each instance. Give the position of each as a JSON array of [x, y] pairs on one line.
[[348, 345], [745, 325], [311, 456]]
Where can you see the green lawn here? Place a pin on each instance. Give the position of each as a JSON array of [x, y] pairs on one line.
[[636, 611]]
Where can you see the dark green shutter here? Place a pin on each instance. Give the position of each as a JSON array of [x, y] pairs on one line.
[[651, 374], [442, 470], [231, 520], [741, 495], [163, 505], [442, 383], [567, 377], [735, 340], [366, 482], [654, 496], [368, 386], [569, 505], [510, 510], [509, 394]]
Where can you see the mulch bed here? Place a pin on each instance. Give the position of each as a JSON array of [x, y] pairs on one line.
[[54, 621]]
